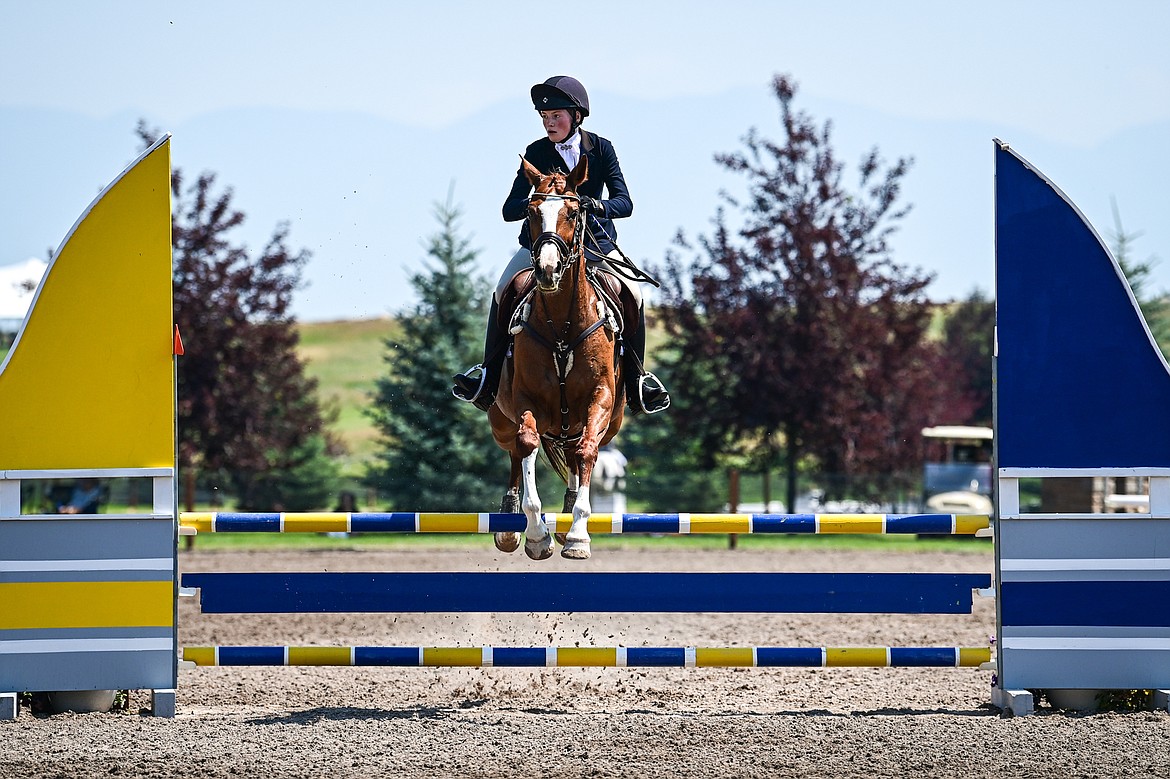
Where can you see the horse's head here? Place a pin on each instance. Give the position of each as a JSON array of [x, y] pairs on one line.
[[555, 221]]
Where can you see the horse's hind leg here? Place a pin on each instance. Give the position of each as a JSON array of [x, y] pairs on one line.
[[570, 497], [509, 542]]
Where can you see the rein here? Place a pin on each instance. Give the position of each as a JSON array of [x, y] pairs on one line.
[[623, 265]]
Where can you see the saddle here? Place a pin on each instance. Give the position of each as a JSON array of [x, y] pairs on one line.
[[619, 305]]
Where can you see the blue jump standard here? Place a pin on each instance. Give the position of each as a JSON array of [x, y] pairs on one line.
[[877, 593]]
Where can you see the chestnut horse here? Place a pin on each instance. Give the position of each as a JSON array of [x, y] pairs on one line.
[[560, 389]]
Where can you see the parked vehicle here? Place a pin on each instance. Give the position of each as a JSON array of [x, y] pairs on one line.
[[957, 473]]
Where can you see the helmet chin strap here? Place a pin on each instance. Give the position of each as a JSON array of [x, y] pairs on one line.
[[570, 134]]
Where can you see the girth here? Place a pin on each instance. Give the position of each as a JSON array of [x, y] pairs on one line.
[[562, 353], [515, 311]]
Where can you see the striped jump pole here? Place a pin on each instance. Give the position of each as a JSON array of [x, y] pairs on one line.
[[591, 657], [491, 522]]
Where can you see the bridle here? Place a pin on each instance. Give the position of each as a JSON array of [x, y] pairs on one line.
[[566, 253], [561, 346]]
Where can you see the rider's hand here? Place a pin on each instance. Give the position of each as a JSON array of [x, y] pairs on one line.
[[592, 205]]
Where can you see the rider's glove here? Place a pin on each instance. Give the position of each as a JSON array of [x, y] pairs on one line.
[[592, 205]]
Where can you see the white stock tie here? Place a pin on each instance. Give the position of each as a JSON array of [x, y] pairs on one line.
[[570, 150]]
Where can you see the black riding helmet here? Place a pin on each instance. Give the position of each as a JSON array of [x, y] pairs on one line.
[[561, 92]]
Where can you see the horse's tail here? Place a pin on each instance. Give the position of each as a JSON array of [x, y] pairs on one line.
[[556, 459]]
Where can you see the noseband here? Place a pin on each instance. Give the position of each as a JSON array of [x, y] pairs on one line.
[[566, 253]]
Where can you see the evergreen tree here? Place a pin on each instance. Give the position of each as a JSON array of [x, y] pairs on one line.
[[1155, 307], [969, 338], [667, 471], [437, 452]]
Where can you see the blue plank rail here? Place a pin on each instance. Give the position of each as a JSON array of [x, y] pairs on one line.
[[491, 522], [291, 593]]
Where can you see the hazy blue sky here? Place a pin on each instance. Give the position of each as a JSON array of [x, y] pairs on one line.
[[351, 119]]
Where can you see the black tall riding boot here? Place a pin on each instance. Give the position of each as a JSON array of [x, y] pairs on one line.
[[645, 392], [479, 383]]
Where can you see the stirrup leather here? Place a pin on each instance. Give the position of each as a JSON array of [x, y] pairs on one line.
[[652, 396]]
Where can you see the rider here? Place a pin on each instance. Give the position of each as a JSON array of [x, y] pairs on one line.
[[563, 105]]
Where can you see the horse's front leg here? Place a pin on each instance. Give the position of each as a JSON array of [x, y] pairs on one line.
[[577, 542], [538, 541]]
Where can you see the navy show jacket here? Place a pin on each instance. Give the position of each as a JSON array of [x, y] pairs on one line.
[[604, 172]]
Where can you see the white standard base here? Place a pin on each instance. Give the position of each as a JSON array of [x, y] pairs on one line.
[[9, 705], [1020, 702], [162, 703], [1016, 703]]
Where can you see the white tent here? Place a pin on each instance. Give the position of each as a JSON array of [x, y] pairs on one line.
[[18, 282], [608, 493]]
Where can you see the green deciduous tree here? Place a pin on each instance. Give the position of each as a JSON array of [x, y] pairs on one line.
[[436, 452]]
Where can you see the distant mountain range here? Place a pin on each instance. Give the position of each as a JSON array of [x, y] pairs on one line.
[[358, 191]]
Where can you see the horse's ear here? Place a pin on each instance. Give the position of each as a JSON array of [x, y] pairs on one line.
[[530, 172], [579, 174]]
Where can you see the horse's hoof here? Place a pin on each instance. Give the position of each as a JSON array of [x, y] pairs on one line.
[[576, 550], [562, 538], [539, 550], [507, 542]]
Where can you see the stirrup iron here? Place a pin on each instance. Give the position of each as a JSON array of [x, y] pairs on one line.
[[651, 388], [462, 390]]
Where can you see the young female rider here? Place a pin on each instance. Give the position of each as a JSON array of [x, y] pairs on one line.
[[563, 105]]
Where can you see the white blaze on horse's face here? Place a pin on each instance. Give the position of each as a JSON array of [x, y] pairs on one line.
[[549, 259]]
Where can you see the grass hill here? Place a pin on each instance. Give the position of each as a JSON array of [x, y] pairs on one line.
[[345, 358]]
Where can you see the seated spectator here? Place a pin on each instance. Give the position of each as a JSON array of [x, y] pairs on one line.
[[85, 499], [346, 502]]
